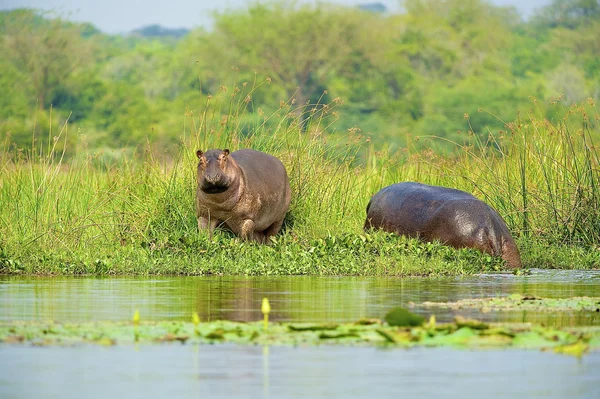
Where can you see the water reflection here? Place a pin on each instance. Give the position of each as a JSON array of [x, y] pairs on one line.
[[236, 371], [321, 299]]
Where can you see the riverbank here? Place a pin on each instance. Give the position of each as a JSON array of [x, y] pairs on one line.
[[375, 254], [135, 215]]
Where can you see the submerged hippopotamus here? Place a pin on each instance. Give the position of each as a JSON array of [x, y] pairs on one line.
[[453, 217], [248, 191]]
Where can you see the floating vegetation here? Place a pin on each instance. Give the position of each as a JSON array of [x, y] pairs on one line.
[[401, 317], [462, 333], [521, 302]]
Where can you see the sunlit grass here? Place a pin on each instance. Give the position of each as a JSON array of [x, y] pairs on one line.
[[93, 214], [541, 176]]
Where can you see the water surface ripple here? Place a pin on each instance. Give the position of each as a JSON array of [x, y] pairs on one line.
[[292, 298], [235, 371]]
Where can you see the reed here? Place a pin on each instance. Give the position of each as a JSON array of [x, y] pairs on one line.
[[134, 213], [541, 176]]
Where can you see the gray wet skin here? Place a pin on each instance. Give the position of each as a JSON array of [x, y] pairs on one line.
[[247, 191], [453, 217]]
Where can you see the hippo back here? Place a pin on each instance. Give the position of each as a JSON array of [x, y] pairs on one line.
[[451, 216], [407, 207], [261, 168], [265, 180]]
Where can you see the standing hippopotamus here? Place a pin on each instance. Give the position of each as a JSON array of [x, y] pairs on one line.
[[246, 190], [453, 217]]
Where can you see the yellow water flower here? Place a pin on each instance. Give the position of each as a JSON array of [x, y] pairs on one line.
[[266, 309]]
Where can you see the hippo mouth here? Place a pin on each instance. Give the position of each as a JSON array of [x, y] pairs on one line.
[[210, 188]]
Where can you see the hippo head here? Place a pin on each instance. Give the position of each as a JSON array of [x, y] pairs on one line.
[[215, 171]]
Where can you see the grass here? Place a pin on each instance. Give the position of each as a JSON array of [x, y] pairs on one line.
[[107, 214]]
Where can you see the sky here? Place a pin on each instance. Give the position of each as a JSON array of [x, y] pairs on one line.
[[122, 16]]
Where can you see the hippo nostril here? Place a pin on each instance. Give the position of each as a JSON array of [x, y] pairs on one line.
[[214, 178]]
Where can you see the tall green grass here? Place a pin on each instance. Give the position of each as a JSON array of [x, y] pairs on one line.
[[123, 213], [541, 176]]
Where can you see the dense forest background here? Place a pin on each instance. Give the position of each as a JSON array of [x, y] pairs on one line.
[[442, 68]]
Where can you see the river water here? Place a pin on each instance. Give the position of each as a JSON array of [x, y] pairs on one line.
[[297, 299], [232, 371]]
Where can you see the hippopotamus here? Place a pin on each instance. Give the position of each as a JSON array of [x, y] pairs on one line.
[[451, 216], [247, 191]]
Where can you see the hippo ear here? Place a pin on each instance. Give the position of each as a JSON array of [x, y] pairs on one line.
[[226, 151], [199, 153]]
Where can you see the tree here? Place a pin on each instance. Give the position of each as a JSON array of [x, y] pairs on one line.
[[452, 39], [568, 13], [47, 51], [580, 47], [299, 47]]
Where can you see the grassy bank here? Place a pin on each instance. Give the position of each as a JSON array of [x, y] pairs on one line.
[[106, 213]]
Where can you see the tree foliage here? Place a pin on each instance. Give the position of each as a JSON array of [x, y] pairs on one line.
[[48, 51], [416, 73], [300, 47]]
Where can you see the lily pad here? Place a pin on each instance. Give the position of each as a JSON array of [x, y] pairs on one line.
[[462, 333], [521, 302], [403, 317]]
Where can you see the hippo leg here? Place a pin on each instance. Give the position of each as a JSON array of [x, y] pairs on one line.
[[205, 223], [272, 230], [247, 232]]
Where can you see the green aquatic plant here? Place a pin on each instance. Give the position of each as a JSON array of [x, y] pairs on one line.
[[462, 333], [403, 318], [577, 349], [521, 302]]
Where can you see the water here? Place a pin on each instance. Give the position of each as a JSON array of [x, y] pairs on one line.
[[231, 371], [319, 299]]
